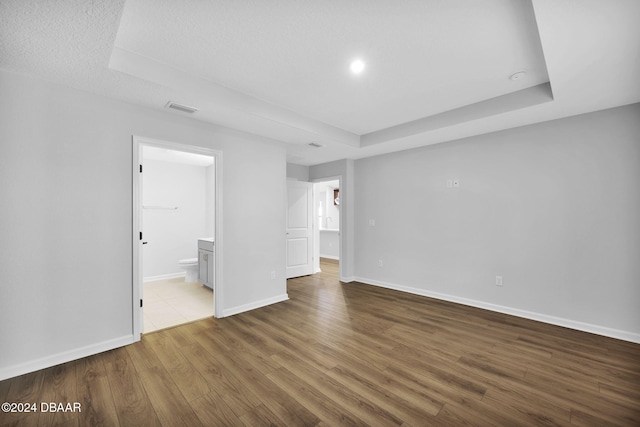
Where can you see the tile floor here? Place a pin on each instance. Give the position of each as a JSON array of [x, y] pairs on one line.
[[172, 302]]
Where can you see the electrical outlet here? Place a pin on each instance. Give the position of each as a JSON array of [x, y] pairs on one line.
[[273, 275], [449, 183], [379, 263], [372, 222], [498, 280]]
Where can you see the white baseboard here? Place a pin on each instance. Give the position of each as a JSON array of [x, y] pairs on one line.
[[253, 305], [348, 279], [330, 257], [65, 356], [558, 321], [164, 277]]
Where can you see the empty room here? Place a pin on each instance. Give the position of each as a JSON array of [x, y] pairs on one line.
[[406, 213]]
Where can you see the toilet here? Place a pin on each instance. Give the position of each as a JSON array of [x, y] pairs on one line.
[[190, 265]]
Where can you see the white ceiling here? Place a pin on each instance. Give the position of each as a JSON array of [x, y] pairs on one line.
[[437, 70]]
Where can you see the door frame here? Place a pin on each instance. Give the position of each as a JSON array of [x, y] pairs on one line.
[[316, 247], [137, 280]]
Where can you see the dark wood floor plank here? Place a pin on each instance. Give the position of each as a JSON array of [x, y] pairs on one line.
[[170, 405], [221, 379], [314, 400], [277, 400], [376, 392], [359, 405], [346, 354], [261, 416], [129, 396], [539, 411], [190, 382], [23, 389], [58, 387], [586, 401], [94, 392], [415, 395], [212, 410]]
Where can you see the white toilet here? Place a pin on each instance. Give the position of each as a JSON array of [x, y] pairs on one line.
[[190, 265]]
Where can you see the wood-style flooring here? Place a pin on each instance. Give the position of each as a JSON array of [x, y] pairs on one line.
[[346, 354]]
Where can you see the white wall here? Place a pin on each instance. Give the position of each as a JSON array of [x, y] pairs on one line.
[[297, 172], [554, 208], [329, 244], [66, 218], [172, 235]]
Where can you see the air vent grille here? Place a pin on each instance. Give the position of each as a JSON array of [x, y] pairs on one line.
[[180, 107]]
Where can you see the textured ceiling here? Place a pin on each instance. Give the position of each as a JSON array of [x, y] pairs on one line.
[[436, 70]]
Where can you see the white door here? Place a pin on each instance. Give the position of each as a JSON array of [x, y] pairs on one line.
[[299, 229]]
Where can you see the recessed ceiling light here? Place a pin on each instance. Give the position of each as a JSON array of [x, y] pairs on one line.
[[518, 75], [357, 66]]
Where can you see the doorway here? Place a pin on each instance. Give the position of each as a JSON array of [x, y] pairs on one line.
[[327, 218], [176, 211]]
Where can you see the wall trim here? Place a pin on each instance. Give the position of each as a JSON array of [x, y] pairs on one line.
[[337, 258], [64, 357], [350, 279], [164, 276], [557, 321], [253, 305]]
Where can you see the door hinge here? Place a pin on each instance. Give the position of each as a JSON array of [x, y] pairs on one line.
[[140, 302], [140, 168]]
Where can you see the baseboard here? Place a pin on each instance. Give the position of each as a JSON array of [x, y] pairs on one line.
[[164, 277], [66, 356], [253, 305], [348, 279], [330, 257], [558, 321]]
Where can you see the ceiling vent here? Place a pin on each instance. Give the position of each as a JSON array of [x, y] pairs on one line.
[[184, 108], [315, 144]]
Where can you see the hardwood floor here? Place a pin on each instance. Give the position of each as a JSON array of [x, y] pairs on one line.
[[346, 354]]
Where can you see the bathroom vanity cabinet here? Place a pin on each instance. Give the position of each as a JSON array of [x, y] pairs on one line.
[[206, 262]]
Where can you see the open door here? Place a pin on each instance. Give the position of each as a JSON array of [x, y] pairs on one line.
[[299, 229]]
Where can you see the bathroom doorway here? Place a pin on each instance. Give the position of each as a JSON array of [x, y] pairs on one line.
[[177, 212], [327, 218]]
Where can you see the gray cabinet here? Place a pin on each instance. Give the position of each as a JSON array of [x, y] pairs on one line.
[[206, 262]]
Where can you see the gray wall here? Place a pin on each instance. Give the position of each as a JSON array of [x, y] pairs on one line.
[[297, 172], [554, 208], [66, 218]]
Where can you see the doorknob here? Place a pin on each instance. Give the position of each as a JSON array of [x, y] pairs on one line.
[[144, 243]]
